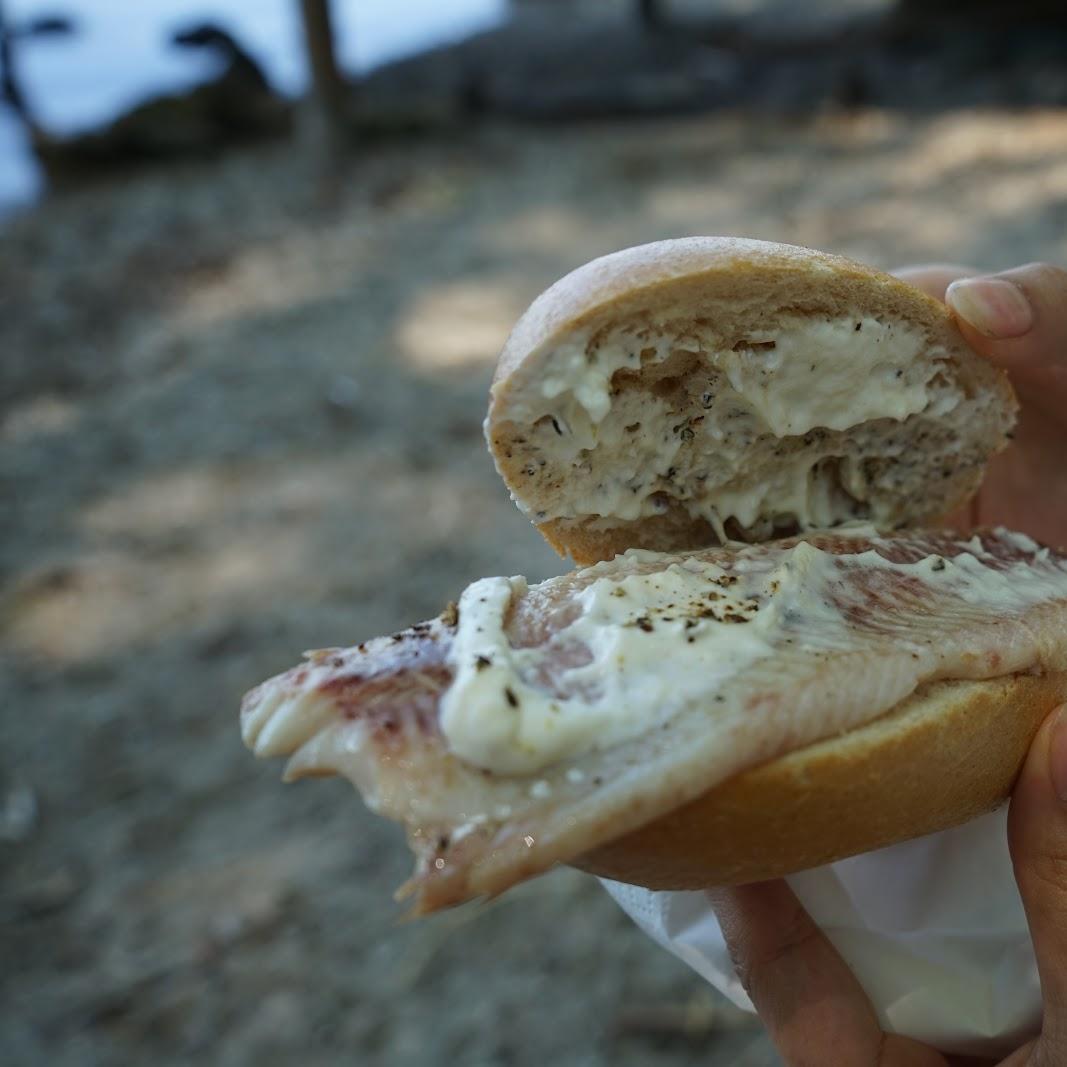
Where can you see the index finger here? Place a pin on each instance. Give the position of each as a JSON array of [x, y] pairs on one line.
[[811, 1003]]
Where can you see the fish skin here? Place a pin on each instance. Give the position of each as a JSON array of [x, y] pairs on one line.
[[370, 712]]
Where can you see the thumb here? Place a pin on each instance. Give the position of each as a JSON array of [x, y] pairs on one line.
[[1018, 319], [1037, 833]]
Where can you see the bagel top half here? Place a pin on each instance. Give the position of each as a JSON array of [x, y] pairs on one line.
[[697, 390]]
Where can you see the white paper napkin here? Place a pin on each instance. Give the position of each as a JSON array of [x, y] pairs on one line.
[[934, 929]]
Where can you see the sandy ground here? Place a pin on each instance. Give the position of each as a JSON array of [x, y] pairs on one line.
[[238, 422]]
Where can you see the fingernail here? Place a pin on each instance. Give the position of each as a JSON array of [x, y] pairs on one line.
[[992, 306], [1057, 754]]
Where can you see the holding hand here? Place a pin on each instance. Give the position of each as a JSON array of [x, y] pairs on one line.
[[813, 1006]]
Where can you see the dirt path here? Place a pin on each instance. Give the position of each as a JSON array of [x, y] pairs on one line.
[[238, 424]]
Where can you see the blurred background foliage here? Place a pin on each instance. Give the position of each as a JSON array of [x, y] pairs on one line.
[[256, 263]]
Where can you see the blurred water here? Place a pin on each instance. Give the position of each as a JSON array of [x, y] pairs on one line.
[[120, 54]]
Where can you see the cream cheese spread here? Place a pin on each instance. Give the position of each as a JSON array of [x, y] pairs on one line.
[[817, 375], [609, 438], [497, 716]]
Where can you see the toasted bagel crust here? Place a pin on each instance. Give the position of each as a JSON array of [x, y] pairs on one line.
[[632, 275], [949, 753]]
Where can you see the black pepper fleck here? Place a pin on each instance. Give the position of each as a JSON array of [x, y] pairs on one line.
[[509, 695]]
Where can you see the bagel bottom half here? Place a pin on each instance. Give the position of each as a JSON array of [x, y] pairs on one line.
[[949, 753]]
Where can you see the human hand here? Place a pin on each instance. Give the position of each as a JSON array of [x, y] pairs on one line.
[[813, 1006], [1017, 320]]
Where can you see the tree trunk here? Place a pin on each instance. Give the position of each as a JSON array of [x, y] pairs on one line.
[[10, 90], [650, 14], [328, 89]]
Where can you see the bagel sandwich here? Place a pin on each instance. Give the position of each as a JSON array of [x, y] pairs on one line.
[[770, 656]]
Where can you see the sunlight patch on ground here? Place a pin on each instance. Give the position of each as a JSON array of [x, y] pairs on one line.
[[1011, 194], [269, 278], [199, 499], [39, 416], [165, 552], [695, 207], [455, 324], [169, 551], [103, 603], [890, 216], [959, 144], [547, 228]]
